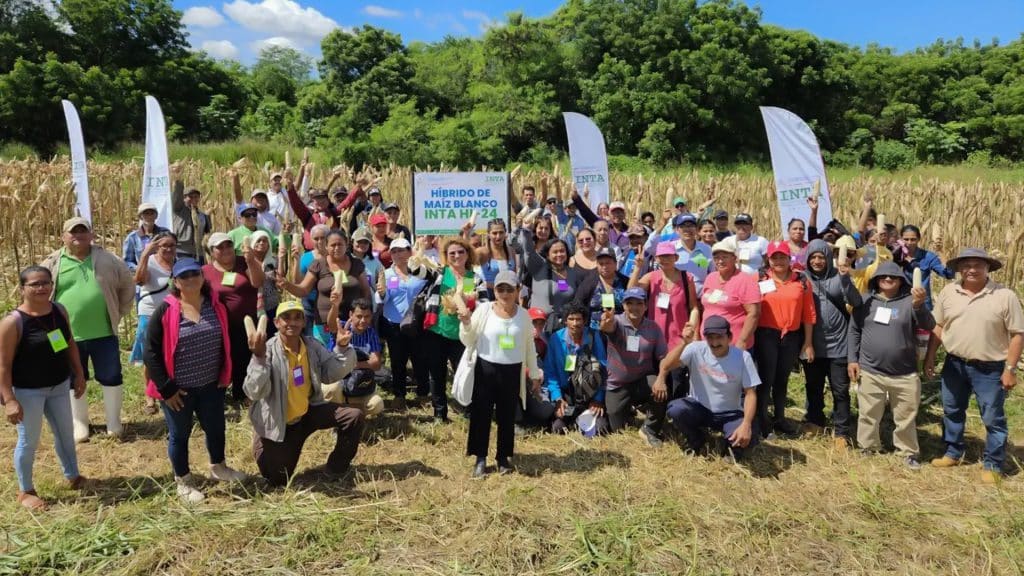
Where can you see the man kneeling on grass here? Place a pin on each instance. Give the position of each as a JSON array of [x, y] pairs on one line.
[[719, 375], [284, 383]]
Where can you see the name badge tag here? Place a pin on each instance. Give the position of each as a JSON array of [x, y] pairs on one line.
[[700, 260], [745, 255], [766, 286], [506, 342], [228, 279], [684, 258], [570, 363], [883, 316], [563, 286], [632, 343], [663, 300], [716, 296], [608, 301], [57, 341], [393, 282], [344, 277], [298, 378]]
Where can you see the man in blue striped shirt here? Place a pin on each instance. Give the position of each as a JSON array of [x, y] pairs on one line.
[[358, 389]]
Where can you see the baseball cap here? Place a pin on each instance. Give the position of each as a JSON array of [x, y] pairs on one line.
[[361, 235], [218, 238], [743, 218], [721, 214], [617, 206], [666, 249], [636, 230], [727, 245], [550, 199], [183, 265], [635, 294], [681, 219], [391, 206], [508, 278], [400, 243], [777, 246], [373, 191], [537, 314], [275, 175], [679, 200], [716, 325], [289, 306], [146, 206], [317, 193], [378, 219], [245, 207], [70, 223], [256, 192], [340, 191], [607, 252]]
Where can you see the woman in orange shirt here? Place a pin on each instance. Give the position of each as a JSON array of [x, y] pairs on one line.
[[784, 331]]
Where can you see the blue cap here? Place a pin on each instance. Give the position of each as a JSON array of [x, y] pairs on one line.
[[635, 294], [244, 207], [183, 265], [681, 219]]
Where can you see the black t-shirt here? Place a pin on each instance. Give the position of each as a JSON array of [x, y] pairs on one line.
[[35, 364]]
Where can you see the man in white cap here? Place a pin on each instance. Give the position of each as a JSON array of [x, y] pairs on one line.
[[97, 290], [277, 199], [189, 223], [981, 325], [258, 199], [136, 240]]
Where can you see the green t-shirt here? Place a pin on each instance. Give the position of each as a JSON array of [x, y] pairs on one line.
[[448, 324], [241, 233], [80, 292]]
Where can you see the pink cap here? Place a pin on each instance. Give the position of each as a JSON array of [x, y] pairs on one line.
[[665, 249], [617, 206], [778, 246], [378, 219], [537, 314]]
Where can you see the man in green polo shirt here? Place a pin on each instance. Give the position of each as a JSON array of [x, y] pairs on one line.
[[97, 289]]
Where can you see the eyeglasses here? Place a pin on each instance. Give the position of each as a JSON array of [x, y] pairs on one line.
[[248, 215], [40, 284], [503, 289]]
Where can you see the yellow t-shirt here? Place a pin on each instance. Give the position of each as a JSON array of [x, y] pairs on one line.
[[862, 277], [299, 387]]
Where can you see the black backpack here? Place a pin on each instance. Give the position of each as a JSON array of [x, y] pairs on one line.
[[588, 375]]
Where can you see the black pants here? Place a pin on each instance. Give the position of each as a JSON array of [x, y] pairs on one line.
[[240, 355], [277, 460], [839, 383], [495, 391], [680, 381], [775, 355], [402, 349], [617, 403], [538, 412], [441, 352]]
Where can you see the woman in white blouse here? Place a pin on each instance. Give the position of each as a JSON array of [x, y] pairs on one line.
[[502, 333]]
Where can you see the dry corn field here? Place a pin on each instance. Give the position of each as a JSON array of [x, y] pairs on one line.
[[35, 197], [609, 505]]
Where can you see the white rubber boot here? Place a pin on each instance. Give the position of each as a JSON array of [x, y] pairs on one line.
[[113, 397], [80, 416]]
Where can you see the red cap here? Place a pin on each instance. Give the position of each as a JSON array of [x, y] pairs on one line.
[[779, 246], [378, 219], [537, 314]]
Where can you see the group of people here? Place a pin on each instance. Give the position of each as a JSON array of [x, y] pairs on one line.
[[562, 318]]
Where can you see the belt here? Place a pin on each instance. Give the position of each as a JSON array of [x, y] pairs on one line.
[[978, 363]]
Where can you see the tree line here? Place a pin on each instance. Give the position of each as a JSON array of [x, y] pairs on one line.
[[665, 80]]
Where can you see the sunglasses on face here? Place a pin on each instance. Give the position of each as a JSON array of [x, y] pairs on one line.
[[504, 289], [249, 215], [188, 274]]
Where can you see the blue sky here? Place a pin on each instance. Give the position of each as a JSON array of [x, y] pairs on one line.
[[237, 29]]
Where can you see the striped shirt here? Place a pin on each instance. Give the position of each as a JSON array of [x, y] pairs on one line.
[[367, 342], [199, 354], [633, 353]]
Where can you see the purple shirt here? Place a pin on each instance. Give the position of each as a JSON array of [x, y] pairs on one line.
[[626, 366]]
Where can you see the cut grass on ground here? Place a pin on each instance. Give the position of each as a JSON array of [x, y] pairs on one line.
[[604, 506]]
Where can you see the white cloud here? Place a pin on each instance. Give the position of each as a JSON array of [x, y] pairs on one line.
[[282, 41], [220, 49], [286, 18], [381, 12], [202, 17], [485, 21]]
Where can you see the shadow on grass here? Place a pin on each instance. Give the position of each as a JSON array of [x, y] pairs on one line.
[[770, 460], [580, 460], [113, 490]]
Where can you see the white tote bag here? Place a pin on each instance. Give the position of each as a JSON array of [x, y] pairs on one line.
[[462, 383]]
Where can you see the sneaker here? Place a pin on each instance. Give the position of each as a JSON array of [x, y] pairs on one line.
[[912, 462], [480, 469], [504, 467], [991, 477], [187, 490], [222, 473], [946, 462], [652, 439]]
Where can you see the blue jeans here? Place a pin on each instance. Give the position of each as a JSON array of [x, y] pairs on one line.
[[959, 379], [54, 403], [106, 359], [207, 403], [140, 336], [691, 417]]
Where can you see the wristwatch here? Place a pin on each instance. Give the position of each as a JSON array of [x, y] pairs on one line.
[[1011, 369]]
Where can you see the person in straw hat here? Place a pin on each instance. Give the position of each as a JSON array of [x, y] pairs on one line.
[[981, 325]]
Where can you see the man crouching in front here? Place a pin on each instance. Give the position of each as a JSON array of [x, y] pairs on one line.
[[283, 381]]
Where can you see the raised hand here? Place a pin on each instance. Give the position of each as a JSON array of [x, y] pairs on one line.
[[344, 335]]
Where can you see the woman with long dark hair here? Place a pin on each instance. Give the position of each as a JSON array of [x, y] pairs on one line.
[[153, 277]]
